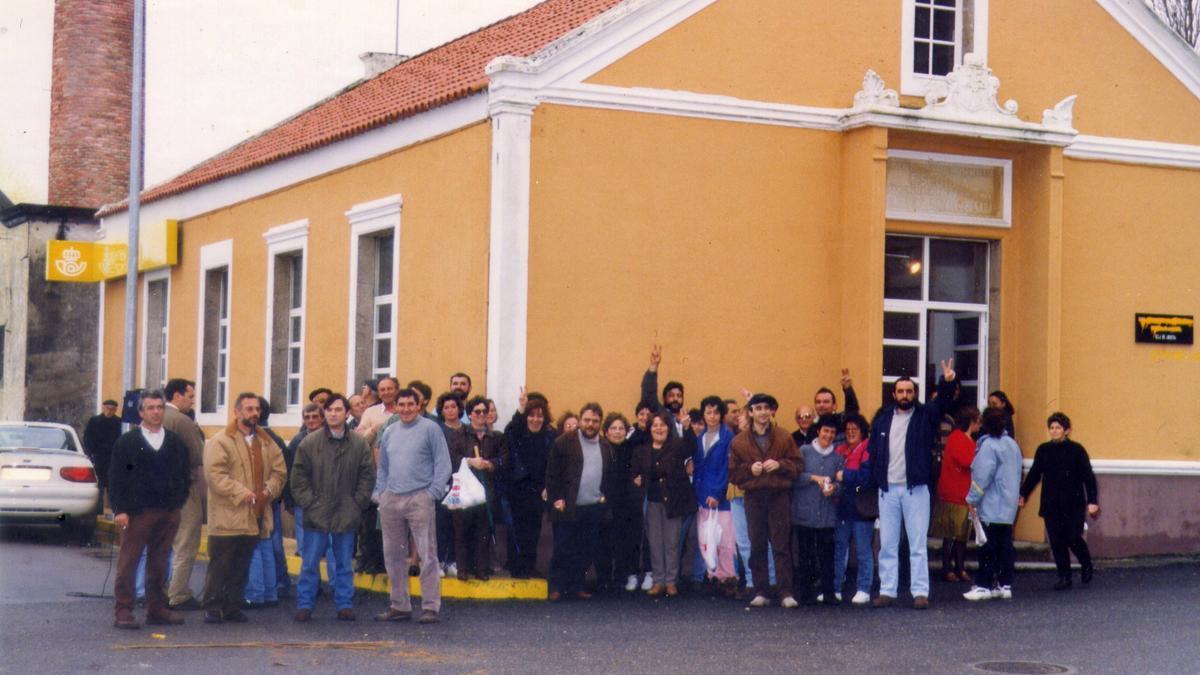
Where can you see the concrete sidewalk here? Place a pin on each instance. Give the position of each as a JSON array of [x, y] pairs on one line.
[[496, 588]]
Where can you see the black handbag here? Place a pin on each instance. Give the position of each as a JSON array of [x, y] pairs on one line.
[[866, 502]]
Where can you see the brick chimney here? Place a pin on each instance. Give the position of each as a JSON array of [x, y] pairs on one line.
[[90, 101]]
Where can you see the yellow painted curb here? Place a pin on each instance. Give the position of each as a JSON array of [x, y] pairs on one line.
[[493, 589]]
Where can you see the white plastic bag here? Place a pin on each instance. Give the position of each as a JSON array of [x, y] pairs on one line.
[[465, 489], [710, 538], [980, 536]]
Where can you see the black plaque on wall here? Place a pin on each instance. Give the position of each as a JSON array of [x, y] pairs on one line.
[[1163, 329]]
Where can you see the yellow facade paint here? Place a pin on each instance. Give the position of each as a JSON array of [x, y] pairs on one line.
[[442, 286]]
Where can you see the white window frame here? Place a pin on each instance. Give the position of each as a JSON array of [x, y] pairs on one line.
[[922, 308], [1004, 221], [163, 274], [213, 256], [368, 220], [283, 240], [914, 84]]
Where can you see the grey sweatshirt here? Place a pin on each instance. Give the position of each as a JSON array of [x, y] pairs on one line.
[[810, 508]]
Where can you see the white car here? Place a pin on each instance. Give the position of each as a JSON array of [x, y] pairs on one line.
[[45, 477]]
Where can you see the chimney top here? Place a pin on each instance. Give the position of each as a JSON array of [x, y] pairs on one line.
[[377, 62]]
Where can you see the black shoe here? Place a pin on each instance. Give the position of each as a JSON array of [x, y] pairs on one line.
[[213, 616], [1063, 584], [393, 615], [1086, 574], [253, 605], [168, 619], [237, 616], [126, 624], [189, 605]]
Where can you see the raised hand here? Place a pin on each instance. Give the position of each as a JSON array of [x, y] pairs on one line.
[[522, 400], [846, 382], [655, 357], [948, 369]]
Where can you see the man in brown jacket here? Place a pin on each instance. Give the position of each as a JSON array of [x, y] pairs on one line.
[[245, 473], [764, 461], [181, 396]]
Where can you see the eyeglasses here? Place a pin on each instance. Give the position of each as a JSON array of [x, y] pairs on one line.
[[312, 416], [804, 417], [479, 411]]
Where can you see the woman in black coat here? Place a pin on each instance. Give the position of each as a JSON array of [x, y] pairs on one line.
[[658, 468], [618, 555], [1068, 495], [529, 439]]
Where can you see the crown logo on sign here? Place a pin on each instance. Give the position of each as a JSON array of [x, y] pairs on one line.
[[70, 265]]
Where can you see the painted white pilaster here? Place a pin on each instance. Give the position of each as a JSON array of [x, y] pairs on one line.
[[508, 266]]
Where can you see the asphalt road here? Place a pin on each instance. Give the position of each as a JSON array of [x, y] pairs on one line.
[[1132, 620]]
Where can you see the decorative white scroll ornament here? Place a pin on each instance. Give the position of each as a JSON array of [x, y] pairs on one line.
[[970, 92], [873, 93], [1061, 115]]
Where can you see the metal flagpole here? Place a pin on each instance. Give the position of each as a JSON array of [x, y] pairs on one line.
[[135, 188]]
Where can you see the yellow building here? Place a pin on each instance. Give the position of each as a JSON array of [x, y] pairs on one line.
[[772, 189]]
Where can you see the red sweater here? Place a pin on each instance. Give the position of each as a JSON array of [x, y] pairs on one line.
[[955, 479]]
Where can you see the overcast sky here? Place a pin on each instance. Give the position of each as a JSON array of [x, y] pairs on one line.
[[218, 71]]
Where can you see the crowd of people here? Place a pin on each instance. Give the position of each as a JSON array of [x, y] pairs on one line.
[[717, 499]]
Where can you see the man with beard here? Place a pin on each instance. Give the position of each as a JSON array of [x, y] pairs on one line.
[[901, 448], [672, 398], [245, 473]]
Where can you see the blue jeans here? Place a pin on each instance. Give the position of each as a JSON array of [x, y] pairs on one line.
[[741, 534], [139, 579], [260, 581], [330, 564], [863, 533], [283, 583], [899, 504], [338, 565]]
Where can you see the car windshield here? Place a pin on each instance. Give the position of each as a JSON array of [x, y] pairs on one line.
[[19, 436]]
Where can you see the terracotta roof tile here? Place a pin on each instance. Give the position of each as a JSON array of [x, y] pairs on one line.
[[429, 80]]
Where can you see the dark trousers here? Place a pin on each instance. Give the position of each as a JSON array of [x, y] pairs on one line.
[[152, 530], [526, 502], [575, 548], [445, 534], [620, 544], [1066, 536], [997, 557], [228, 565], [769, 520], [472, 541], [814, 569], [370, 540]]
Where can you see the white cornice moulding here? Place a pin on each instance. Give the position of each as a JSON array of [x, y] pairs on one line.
[[1133, 151], [290, 232], [384, 207], [293, 170], [1139, 467], [1158, 39]]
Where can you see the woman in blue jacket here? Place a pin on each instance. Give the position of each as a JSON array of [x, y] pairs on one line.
[[710, 480], [995, 489]]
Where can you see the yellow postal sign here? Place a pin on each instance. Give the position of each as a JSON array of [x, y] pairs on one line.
[[91, 261]]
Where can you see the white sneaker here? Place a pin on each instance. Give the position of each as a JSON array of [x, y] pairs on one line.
[[789, 603], [1002, 592], [861, 598], [441, 571], [978, 593], [821, 597], [761, 601], [452, 569], [631, 583], [838, 596], [648, 582]]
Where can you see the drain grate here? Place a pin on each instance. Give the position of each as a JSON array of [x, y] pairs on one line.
[[1022, 667]]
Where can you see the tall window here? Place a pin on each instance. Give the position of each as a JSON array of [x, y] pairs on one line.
[[214, 377], [936, 36], [287, 247], [374, 250], [384, 300], [157, 311], [937, 305]]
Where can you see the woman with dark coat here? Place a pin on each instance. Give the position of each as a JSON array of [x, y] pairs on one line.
[[1069, 494], [529, 439], [618, 555], [658, 467]]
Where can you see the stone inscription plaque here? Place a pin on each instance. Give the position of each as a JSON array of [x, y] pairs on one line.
[[946, 192]]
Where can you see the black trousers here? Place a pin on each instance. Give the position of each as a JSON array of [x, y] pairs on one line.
[[1066, 537], [228, 565], [370, 540], [618, 553], [473, 541], [445, 534], [997, 557], [527, 509], [575, 548], [814, 569]]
